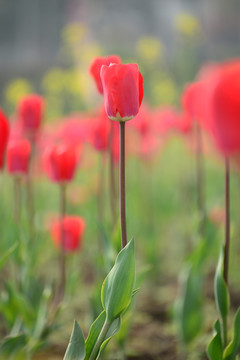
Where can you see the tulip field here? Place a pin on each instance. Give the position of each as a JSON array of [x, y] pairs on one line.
[[120, 219]]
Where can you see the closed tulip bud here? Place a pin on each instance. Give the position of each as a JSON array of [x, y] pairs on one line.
[[72, 228], [4, 132], [123, 90], [18, 156], [30, 110], [60, 162], [95, 68]]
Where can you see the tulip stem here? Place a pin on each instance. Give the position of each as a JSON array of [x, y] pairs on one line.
[[62, 257], [100, 340], [113, 194], [122, 186], [200, 180], [17, 199], [227, 222], [30, 189]]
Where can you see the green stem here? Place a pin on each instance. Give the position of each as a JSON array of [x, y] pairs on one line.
[[200, 180], [17, 199], [224, 329], [100, 339], [227, 240], [227, 222], [62, 255], [112, 181], [122, 186]]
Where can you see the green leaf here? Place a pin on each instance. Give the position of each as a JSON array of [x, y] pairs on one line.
[[15, 304], [233, 348], [12, 344], [220, 288], [76, 347], [118, 286], [113, 330], [189, 309], [215, 348], [7, 254], [95, 331]]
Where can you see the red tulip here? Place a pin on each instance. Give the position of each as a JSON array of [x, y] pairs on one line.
[[18, 156], [4, 132], [167, 120], [73, 229], [123, 90], [60, 162], [96, 65], [99, 137], [224, 107], [192, 99], [30, 111]]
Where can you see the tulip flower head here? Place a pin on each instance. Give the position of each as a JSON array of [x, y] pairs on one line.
[[225, 108], [30, 110], [4, 132], [18, 156], [73, 228], [123, 90], [60, 162], [95, 68]]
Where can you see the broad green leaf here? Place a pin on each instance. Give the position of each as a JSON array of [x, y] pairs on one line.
[[189, 309], [220, 288], [76, 347], [4, 258], [14, 303], [95, 331], [12, 344], [215, 348], [118, 286], [233, 348]]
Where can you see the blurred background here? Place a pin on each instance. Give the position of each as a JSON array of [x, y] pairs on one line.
[[46, 46]]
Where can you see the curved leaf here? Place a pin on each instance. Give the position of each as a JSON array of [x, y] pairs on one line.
[[76, 346], [220, 288], [233, 348], [118, 286], [189, 309], [95, 331], [215, 348]]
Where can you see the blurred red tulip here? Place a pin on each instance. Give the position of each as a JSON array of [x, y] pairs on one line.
[[100, 130], [167, 120], [18, 156], [60, 162], [224, 107], [192, 98], [96, 65], [75, 129], [123, 90], [144, 124], [4, 133], [30, 110], [73, 229]]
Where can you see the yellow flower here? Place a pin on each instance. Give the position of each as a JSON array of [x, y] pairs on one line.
[[187, 25], [149, 48], [17, 89]]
